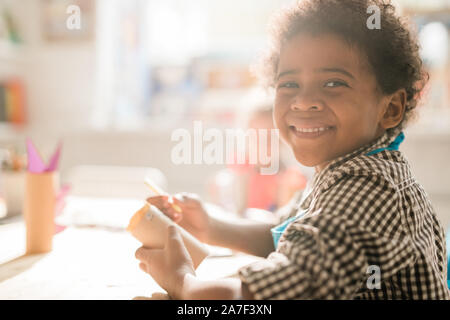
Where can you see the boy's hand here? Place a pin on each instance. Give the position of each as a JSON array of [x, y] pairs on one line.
[[193, 216], [167, 266]]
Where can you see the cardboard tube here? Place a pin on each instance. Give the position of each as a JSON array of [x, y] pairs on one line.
[[39, 210], [149, 226]]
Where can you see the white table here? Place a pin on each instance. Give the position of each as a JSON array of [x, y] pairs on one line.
[[87, 263]]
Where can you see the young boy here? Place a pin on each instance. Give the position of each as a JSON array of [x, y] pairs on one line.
[[343, 94]]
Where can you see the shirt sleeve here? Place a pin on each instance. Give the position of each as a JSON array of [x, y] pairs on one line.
[[326, 254]]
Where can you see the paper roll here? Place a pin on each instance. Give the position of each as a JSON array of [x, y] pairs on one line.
[[149, 226], [39, 210]]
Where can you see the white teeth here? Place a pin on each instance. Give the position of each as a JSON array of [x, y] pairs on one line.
[[312, 129]]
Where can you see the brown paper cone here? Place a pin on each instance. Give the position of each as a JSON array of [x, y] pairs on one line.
[[39, 209], [149, 226]]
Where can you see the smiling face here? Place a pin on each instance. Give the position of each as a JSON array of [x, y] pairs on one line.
[[326, 102]]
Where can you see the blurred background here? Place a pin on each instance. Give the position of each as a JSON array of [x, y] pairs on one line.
[[115, 90]]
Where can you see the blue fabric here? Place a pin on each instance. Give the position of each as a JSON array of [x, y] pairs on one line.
[[393, 146], [278, 230], [448, 258]]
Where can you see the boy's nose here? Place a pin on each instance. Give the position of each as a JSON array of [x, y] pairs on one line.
[[305, 105]]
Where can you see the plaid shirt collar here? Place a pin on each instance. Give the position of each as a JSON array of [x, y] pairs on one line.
[[326, 177]]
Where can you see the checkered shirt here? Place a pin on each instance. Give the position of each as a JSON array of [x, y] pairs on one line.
[[362, 219]]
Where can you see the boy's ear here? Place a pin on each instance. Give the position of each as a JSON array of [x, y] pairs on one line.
[[395, 110]]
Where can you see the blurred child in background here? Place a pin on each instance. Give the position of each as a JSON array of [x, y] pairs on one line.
[[240, 187]]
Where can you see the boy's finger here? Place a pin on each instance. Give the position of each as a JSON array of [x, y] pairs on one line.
[[173, 205], [140, 253], [171, 213], [191, 196], [158, 201], [143, 266], [143, 254], [181, 201], [163, 204], [177, 217], [178, 199], [185, 199]]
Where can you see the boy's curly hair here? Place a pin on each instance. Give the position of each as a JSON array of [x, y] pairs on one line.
[[392, 51]]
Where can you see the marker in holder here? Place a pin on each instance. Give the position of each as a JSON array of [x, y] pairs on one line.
[[39, 210]]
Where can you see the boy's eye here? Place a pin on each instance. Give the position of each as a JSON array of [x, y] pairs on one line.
[[335, 83], [288, 85]]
